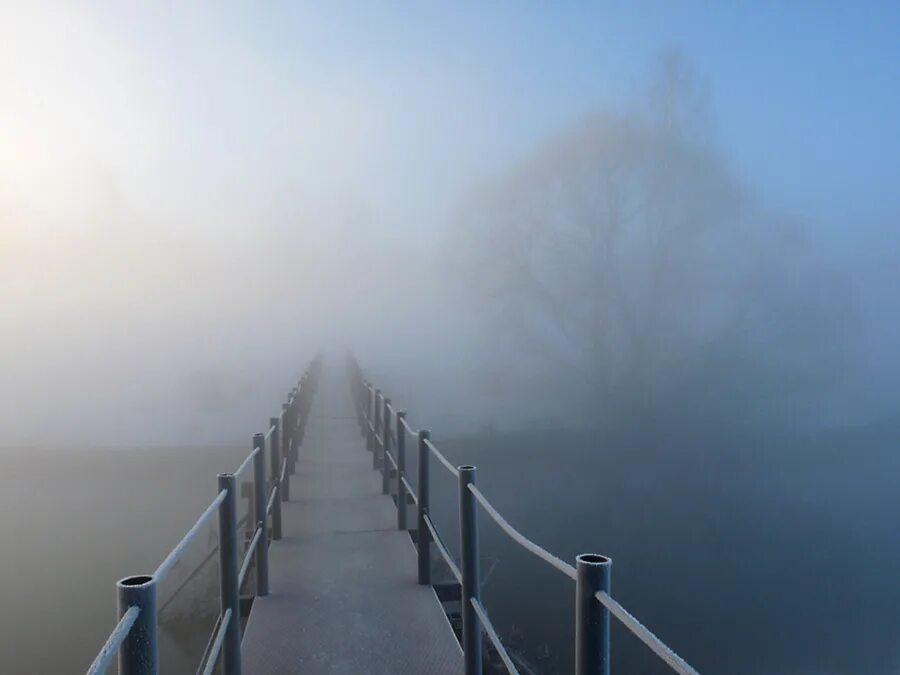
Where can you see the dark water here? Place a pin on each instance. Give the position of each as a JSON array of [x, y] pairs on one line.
[[767, 554], [73, 522]]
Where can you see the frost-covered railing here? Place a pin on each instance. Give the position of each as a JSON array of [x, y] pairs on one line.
[[134, 638], [386, 429]]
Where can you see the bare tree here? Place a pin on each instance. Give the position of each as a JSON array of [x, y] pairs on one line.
[[625, 258]]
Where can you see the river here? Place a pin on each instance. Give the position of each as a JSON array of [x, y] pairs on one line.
[[766, 554]]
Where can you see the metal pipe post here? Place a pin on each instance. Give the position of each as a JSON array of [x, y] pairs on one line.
[[139, 653], [302, 410], [370, 420], [362, 388], [401, 471], [259, 500], [302, 396], [294, 402], [357, 398], [468, 546], [591, 618], [377, 424], [285, 452], [275, 462], [386, 437], [423, 536], [229, 566], [309, 387]]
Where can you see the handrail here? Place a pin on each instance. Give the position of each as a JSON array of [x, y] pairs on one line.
[[248, 556], [442, 549], [412, 432], [440, 456], [494, 638], [387, 453], [135, 636], [273, 493], [520, 538], [246, 462], [169, 562], [197, 569], [114, 641], [591, 576], [644, 634], [174, 594], [217, 644], [409, 491]]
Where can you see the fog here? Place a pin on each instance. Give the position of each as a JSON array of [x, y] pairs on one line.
[[183, 224], [188, 212], [588, 224]]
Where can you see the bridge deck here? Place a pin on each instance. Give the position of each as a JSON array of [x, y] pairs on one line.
[[343, 592]]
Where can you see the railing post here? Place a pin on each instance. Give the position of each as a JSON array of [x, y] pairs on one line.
[[370, 427], [423, 536], [468, 546], [259, 499], [139, 653], [385, 447], [229, 566], [401, 471], [308, 391], [370, 417], [377, 424], [285, 452], [591, 618], [304, 391], [275, 462], [293, 410], [362, 404], [302, 396]]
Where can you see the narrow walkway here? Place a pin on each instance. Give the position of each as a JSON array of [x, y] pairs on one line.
[[343, 593]]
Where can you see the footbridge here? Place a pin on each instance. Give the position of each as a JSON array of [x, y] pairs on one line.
[[331, 573]]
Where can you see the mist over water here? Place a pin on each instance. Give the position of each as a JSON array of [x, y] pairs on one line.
[[659, 282]]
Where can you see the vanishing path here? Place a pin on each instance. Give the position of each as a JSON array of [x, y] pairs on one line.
[[344, 597]]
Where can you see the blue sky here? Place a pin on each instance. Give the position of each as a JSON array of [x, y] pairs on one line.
[[408, 104], [806, 95]]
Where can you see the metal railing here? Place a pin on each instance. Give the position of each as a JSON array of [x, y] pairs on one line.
[[384, 426], [134, 638]]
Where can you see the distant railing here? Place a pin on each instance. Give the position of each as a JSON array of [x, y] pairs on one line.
[[134, 638], [591, 573]]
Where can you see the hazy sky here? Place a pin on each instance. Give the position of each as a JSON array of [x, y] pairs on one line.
[[367, 97], [158, 162]]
